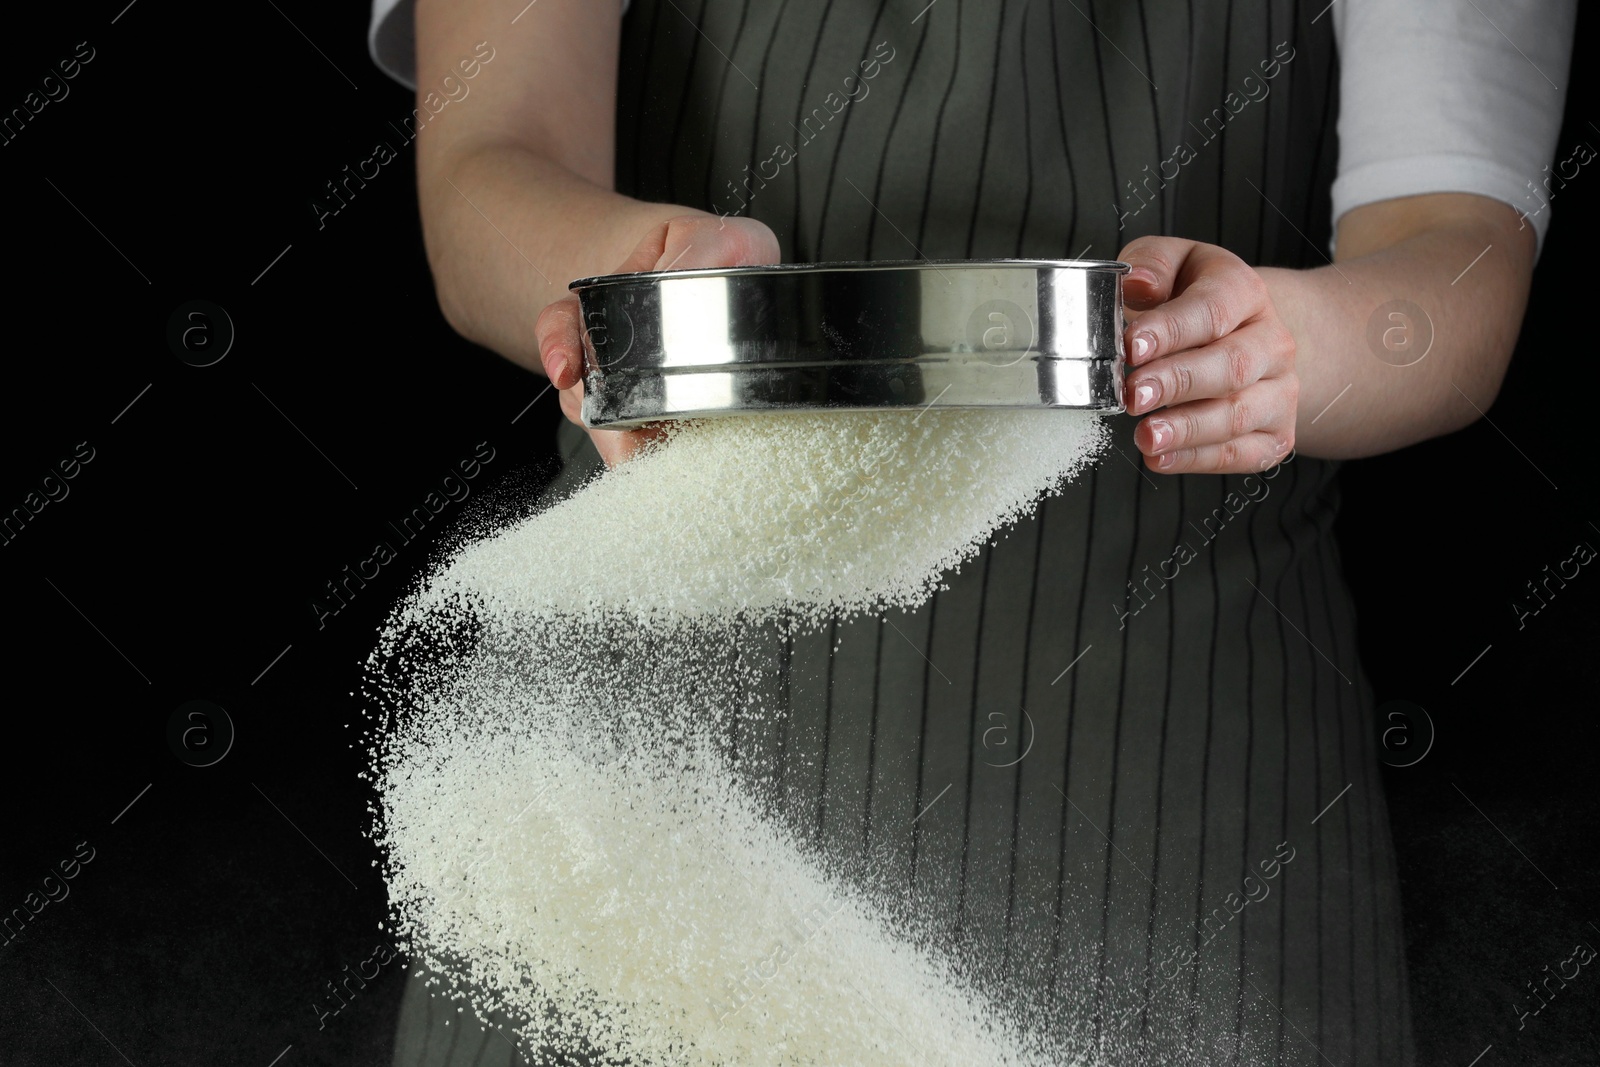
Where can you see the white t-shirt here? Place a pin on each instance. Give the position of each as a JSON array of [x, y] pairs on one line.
[[1450, 96], [1435, 96]]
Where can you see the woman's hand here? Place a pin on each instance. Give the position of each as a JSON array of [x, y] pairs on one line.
[[684, 242], [1210, 356]]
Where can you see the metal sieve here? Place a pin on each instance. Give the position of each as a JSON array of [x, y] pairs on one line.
[[1010, 333]]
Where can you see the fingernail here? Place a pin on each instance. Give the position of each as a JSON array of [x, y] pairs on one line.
[[1166, 460], [1160, 433], [1145, 395], [1141, 345], [1143, 276]]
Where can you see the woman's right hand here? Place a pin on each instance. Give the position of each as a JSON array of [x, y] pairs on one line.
[[684, 242]]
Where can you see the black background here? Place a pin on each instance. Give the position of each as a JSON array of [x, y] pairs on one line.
[[184, 561]]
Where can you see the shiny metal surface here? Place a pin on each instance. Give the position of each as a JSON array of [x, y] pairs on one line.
[[862, 336]]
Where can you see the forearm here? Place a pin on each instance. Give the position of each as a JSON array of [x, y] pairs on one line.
[[515, 183], [507, 230], [1354, 402]]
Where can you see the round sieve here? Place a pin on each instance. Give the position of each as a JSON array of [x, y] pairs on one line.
[[1011, 333]]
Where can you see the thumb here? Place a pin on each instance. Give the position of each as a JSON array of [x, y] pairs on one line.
[[719, 241], [1156, 263], [692, 242]]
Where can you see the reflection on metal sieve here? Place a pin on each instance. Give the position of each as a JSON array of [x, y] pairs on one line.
[[852, 336]]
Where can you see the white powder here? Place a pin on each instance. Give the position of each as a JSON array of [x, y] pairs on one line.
[[564, 837], [641, 903], [842, 513]]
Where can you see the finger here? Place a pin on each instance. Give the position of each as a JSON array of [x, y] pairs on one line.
[[572, 403], [619, 446], [1205, 296], [1263, 349], [1211, 307], [609, 443], [1156, 263], [1250, 454], [614, 446], [557, 331], [1267, 405]]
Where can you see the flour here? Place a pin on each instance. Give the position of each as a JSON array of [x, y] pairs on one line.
[[829, 514], [565, 836]]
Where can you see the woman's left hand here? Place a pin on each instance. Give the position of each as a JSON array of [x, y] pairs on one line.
[[1209, 355]]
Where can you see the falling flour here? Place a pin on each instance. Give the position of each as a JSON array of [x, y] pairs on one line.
[[841, 514], [566, 839]]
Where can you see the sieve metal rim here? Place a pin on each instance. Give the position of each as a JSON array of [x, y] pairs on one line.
[[873, 335], [1112, 265]]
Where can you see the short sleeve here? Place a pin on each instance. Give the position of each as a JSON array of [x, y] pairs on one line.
[[391, 41], [1450, 96]]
